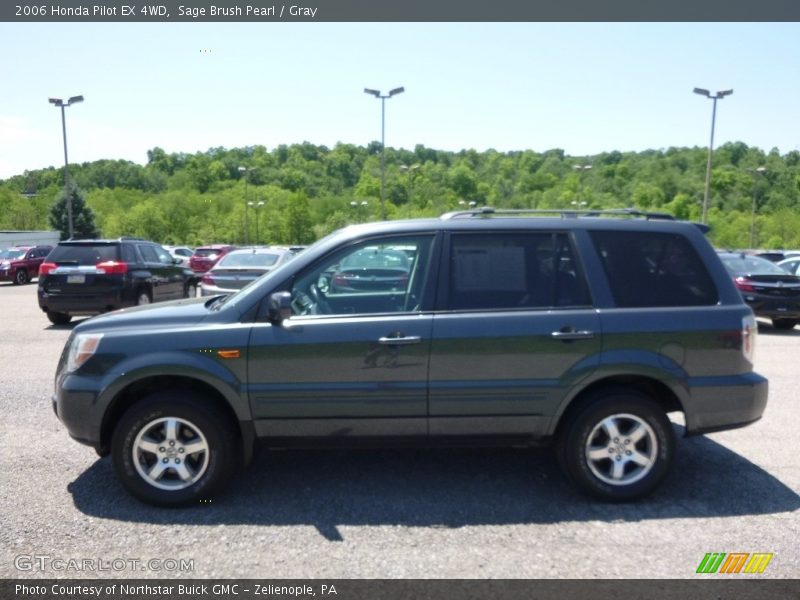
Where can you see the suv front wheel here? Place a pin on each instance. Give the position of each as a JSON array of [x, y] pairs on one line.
[[172, 450], [618, 447]]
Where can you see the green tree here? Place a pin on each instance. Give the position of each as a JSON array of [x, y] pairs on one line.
[[82, 216]]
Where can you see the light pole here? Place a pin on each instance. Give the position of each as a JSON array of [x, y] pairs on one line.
[[410, 171], [581, 169], [707, 94], [756, 172], [62, 105], [383, 98], [359, 207], [245, 171], [256, 206]]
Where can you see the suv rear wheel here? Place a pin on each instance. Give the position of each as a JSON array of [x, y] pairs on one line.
[[142, 297], [784, 323], [57, 318], [618, 447], [21, 277], [174, 448]]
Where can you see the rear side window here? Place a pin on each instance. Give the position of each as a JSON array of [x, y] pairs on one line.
[[84, 254], [514, 270], [148, 253], [647, 269]]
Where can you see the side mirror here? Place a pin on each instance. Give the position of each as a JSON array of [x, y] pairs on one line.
[[280, 306]]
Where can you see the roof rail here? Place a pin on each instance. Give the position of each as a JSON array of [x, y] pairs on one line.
[[564, 213]]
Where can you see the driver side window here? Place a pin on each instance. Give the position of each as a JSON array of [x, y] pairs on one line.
[[371, 277]]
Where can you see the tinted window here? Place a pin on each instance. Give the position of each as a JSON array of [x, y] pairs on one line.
[[148, 254], [84, 254], [514, 270], [653, 269], [128, 254]]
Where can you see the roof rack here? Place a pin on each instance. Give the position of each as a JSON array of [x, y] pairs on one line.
[[564, 213]]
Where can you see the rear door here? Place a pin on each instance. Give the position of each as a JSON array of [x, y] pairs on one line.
[[514, 331]]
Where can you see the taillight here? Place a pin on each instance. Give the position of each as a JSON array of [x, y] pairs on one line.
[[46, 267], [112, 267], [339, 280], [207, 280], [744, 284], [749, 335]]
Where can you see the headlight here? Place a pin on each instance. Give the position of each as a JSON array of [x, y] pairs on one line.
[[84, 345]]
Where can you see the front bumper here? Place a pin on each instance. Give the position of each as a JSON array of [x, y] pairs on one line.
[[76, 406]]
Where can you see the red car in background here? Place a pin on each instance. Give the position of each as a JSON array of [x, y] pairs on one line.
[[20, 264], [206, 257]]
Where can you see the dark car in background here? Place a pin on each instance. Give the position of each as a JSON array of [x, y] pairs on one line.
[[240, 267], [206, 257], [20, 264], [771, 291], [88, 277]]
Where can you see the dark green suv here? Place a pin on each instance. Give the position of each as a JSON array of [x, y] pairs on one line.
[[582, 330]]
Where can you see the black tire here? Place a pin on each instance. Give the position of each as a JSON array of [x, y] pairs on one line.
[[143, 297], [21, 277], [187, 476], [626, 466], [784, 324], [57, 318]]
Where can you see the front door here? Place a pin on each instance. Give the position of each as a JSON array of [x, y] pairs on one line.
[[352, 361]]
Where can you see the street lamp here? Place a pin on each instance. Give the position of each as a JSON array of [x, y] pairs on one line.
[[581, 169], [359, 207], [245, 170], [383, 98], [707, 94], [62, 105], [410, 171], [756, 172], [256, 206]]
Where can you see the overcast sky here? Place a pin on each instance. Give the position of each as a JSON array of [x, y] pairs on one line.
[[585, 88]]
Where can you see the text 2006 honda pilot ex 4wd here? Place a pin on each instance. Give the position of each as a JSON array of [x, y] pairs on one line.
[[583, 330]]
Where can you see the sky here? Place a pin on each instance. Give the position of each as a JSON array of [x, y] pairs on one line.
[[585, 88]]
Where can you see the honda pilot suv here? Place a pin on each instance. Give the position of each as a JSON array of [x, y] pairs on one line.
[[88, 277], [580, 330]]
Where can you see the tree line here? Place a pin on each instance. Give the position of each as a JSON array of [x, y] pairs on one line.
[[297, 193]]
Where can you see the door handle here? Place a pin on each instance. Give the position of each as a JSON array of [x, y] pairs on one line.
[[572, 334], [400, 341]]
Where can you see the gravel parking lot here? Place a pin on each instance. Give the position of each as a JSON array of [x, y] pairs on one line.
[[419, 513]]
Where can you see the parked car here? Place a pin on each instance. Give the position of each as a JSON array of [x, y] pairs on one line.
[[207, 256], [582, 332], [791, 265], [20, 264], [88, 277], [770, 290], [372, 269], [241, 267], [182, 253]]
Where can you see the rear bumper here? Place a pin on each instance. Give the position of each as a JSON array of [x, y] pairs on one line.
[[722, 403], [83, 304]]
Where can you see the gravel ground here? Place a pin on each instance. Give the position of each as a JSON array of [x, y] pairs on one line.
[[419, 513]]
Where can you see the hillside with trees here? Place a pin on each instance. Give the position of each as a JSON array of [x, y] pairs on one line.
[[308, 190]]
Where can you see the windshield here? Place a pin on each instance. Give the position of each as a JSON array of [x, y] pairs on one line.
[[11, 254]]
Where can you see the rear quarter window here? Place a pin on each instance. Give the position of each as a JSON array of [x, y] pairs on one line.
[[647, 269]]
